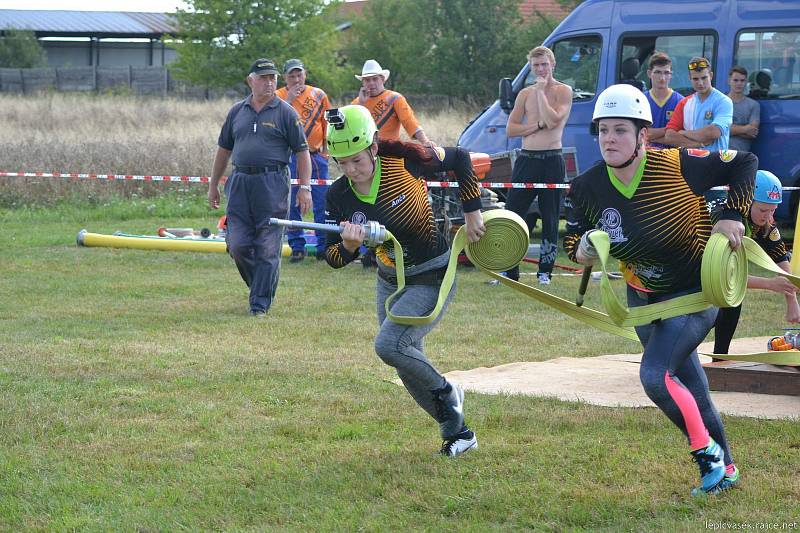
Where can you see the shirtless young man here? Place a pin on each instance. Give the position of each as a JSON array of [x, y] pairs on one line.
[[539, 115]]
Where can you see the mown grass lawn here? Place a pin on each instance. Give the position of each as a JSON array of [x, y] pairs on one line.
[[136, 394]]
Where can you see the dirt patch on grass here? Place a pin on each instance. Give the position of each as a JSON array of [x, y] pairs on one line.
[[613, 381]]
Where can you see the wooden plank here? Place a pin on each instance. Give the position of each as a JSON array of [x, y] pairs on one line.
[[734, 376]]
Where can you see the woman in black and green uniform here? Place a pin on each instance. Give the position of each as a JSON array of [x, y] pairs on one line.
[[652, 207], [382, 183]]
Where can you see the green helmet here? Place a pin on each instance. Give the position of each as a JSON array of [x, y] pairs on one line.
[[351, 129]]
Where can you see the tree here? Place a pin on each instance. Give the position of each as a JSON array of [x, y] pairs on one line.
[[218, 39], [454, 47], [21, 49]]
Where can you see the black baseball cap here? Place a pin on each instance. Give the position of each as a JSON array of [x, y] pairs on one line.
[[263, 66]]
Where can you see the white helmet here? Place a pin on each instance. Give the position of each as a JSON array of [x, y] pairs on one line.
[[622, 101]]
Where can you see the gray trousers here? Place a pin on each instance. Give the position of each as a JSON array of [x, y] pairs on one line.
[[254, 245], [401, 346]]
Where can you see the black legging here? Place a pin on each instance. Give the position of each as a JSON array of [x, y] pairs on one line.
[[725, 327]]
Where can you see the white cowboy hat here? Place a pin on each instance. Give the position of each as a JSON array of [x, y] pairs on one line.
[[373, 68]]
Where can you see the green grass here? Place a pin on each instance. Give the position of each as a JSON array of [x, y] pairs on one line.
[[136, 394]]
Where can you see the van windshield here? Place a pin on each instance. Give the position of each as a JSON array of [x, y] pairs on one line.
[[577, 65], [770, 58]]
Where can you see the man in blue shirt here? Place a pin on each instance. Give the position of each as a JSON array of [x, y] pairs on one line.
[[662, 99], [702, 119], [260, 133]]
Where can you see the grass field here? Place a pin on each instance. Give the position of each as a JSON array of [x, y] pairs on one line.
[[136, 394]]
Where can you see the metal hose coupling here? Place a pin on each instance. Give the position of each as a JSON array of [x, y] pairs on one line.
[[376, 233], [586, 247]]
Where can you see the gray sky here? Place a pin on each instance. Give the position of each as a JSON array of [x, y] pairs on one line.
[[156, 6]]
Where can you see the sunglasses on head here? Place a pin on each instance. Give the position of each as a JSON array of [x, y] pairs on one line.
[[700, 64]]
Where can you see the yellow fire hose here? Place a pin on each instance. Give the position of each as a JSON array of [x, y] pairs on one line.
[[152, 242], [723, 276], [144, 242], [505, 243], [502, 247]]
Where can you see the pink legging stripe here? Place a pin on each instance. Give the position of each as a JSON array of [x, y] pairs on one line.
[[698, 434]]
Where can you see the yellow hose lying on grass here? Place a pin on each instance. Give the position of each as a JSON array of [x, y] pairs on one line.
[[153, 242]]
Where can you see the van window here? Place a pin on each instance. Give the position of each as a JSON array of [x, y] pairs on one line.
[[577, 65], [680, 48], [771, 60]]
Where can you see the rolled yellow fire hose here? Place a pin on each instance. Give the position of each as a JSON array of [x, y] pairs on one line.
[[723, 276], [502, 247], [505, 243]]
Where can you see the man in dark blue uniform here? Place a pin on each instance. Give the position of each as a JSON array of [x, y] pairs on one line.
[[260, 132]]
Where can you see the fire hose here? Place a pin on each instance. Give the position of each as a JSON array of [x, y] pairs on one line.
[[723, 277], [505, 244], [502, 246]]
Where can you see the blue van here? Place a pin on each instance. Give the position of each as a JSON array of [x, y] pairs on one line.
[[603, 42]]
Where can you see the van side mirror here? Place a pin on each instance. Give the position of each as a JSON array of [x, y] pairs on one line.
[[593, 129], [506, 95]]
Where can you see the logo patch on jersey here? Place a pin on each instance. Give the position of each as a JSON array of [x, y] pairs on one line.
[[775, 235], [269, 124], [399, 200], [358, 218], [697, 152], [709, 115], [611, 223], [669, 115], [727, 155]]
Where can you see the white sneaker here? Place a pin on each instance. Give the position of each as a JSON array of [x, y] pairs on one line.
[[459, 444], [544, 278]]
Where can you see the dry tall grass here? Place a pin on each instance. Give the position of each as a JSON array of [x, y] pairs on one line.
[[60, 132]]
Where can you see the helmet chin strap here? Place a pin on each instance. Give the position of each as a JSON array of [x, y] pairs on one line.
[[373, 158], [635, 152], [631, 159]]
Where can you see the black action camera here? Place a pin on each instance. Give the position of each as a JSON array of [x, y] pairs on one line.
[[335, 118]]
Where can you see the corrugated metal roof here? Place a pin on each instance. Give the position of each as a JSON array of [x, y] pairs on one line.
[[88, 22]]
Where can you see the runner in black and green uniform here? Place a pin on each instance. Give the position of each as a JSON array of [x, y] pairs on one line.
[[382, 183], [652, 207]]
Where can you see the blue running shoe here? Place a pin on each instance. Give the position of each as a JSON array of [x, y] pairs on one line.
[[711, 462], [727, 482]]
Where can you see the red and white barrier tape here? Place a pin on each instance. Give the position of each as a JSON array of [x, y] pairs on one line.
[[110, 177], [206, 179]]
